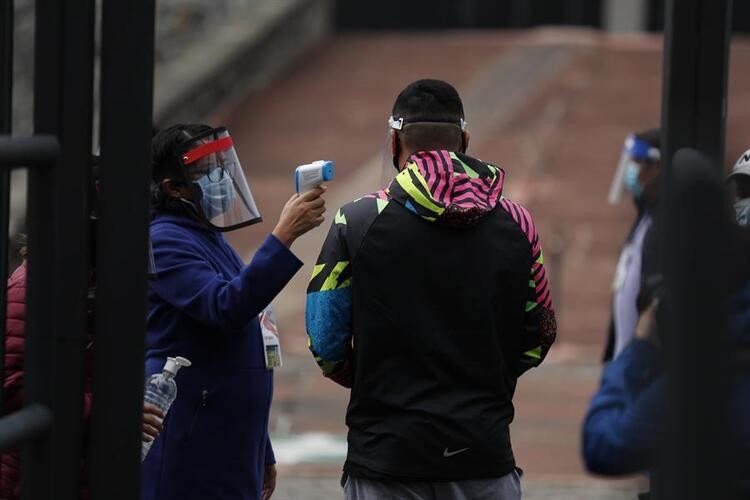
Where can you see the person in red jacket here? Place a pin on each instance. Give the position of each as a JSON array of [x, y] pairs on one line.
[[10, 466]]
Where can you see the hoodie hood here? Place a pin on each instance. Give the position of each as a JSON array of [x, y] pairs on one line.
[[448, 188]]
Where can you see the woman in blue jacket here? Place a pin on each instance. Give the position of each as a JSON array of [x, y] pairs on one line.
[[204, 305]]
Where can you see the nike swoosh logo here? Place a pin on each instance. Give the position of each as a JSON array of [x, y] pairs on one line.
[[447, 453]]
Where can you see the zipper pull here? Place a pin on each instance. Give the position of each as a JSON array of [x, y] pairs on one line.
[[204, 396]]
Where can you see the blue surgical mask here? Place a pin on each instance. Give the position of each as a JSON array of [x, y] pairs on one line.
[[742, 211], [631, 179], [217, 196]]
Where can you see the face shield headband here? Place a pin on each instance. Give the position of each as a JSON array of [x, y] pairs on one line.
[[398, 125], [640, 150], [221, 194], [635, 150]]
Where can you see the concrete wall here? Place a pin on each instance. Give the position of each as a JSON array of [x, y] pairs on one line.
[[244, 52], [208, 53]]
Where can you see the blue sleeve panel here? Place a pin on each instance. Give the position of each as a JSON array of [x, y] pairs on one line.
[[621, 428], [329, 294], [328, 314], [328, 318], [188, 281]]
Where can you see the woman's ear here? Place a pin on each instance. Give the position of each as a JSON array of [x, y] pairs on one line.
[[170, 188]]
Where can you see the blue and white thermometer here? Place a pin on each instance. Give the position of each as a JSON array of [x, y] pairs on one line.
[[312, 175]]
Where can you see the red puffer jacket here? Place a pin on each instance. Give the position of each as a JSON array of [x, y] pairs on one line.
[[10, 467]]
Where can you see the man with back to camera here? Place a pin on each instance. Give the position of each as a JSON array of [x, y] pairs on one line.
[[429, 300]]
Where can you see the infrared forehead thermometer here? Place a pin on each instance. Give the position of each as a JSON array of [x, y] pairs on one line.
[[312, 175]]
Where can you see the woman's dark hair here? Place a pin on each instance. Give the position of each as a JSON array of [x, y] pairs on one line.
[[165, 165]]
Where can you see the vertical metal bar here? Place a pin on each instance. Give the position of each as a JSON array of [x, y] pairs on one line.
[[520, 13], [6, 126], [126, 114], [696, 52], [37, 463], [695, 75], [6, 66], [71, 274], [574, 12], [696, 462]]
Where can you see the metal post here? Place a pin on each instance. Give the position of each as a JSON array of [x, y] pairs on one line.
[[58, 271], [71, 276], [694, 464], [37, 463], [520, 13], [695, 75], [40, 150], [24, 425], [6, 120], [123, 217]]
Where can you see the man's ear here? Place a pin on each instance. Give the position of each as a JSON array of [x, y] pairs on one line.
[[465, 141], [394, 142]]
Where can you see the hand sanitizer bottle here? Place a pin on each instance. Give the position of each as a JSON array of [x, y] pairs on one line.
[[161, 391]]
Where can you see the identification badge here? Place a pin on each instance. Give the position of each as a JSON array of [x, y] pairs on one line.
[[270, 333], [621, 272]]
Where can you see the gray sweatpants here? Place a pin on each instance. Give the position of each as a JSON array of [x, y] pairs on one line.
[[503, 488]]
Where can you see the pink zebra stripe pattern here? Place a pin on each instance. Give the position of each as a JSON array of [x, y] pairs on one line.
[[449, 185], [542, 295]]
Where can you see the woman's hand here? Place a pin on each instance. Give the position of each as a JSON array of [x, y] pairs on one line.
[[153, 418], [646, 328], [300, 214], [269, 481]]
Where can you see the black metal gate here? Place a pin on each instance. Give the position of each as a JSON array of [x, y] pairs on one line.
[[58, 156]]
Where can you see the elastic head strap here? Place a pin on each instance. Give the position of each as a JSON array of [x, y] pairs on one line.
[[398, 123], [638, 149]]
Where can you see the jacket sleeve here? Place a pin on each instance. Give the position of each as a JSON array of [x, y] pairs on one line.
[[187, 281], [329, 306], [270, 457], [620, 430], [539, 323]]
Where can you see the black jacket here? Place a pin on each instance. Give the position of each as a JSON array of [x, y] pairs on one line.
[[429, 299]]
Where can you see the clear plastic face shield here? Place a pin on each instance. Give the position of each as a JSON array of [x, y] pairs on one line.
[[634, 151], [220, 192], [389, 168]]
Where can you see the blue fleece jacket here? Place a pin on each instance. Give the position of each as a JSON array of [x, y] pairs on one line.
[[622, 426], [204, 305]]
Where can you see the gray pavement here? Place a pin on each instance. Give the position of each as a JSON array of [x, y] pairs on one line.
[[307, 488]]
